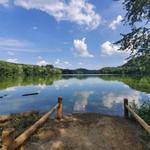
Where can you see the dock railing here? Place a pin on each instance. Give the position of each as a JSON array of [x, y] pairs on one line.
[[128, 109], [9, 142]]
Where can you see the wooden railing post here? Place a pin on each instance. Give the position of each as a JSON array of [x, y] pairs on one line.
[[59, 109], [8, 139], [126, 113]]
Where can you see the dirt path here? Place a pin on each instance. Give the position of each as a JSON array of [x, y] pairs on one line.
[[86, 132]]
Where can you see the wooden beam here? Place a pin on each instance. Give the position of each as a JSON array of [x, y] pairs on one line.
[[126, 114], [59, 109], [25, 135], [8, 139], [139, 119]]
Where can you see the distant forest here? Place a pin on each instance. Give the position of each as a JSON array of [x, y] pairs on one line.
[[12, 69], [135, 66]]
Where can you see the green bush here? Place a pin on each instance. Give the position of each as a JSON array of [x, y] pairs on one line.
[[143, 111]]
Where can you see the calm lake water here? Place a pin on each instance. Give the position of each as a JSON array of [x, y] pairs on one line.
[[103, 94]]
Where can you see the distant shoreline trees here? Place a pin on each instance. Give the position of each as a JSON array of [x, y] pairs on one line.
[[11, 69]]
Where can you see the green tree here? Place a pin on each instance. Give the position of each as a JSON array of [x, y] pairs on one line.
[[138, 17]]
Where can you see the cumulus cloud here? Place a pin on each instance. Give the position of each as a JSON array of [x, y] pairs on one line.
[[42, 63], [78, 11], [81, 48], [108, 48], [12, 60], [113, 25]]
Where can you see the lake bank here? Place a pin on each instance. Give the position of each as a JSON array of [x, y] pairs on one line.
[[85, 131]]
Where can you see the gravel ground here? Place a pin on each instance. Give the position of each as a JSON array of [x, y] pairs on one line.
[[87, 131]]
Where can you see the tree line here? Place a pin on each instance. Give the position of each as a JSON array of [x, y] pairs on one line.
[[11, 69]]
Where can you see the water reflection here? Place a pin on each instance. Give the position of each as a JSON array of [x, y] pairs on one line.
[[103, 94], [81, 100]]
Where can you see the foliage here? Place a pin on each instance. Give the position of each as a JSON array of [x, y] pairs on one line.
[[135, 66], [140, 83], [79, 71], [6, 82], [138, 17], [143, 111], [11, 69], [138, 41], [137, 10]]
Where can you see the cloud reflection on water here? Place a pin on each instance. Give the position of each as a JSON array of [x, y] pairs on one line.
[[81, 100]]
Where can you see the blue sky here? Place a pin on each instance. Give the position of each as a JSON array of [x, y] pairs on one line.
[[65, 33]]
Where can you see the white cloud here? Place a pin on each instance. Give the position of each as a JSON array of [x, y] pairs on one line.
[[12, 60], [110, 49], [57, 61], [113, 25], [66, 62], [81, 48], [11, 45], [78, 11], [8, 42], [4, 3], [62, 64], [42, 63]]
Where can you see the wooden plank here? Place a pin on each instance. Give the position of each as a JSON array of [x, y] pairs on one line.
[[139, 119], [24, 136]]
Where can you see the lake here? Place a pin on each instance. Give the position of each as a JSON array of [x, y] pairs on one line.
[[102, 94]]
